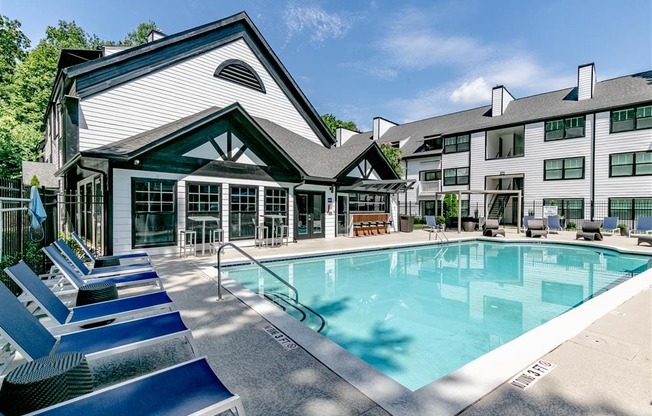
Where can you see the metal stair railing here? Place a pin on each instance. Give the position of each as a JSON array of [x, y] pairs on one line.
[[222, 246]]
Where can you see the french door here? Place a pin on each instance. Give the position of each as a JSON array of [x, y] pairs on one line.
[[309, 215]]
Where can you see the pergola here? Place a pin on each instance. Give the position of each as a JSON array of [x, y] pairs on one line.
[[459, 194]]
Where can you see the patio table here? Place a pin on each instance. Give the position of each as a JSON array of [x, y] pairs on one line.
[[203, 219], [274, 218]]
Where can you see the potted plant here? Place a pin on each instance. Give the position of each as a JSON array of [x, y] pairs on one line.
[[624, 229], [571, 225], [441, 221]]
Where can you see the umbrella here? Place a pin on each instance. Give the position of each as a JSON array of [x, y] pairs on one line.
[[37, 212]]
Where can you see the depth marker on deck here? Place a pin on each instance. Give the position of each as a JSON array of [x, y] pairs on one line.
[[532, 374], [281, 338]]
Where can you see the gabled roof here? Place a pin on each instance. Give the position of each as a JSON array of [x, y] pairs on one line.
[[610, 94], [310, 159], [111, 70]]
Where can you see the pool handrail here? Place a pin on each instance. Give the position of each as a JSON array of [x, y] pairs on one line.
[[222, 246]]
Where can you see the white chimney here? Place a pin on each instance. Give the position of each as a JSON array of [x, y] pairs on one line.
[[500, 99], [155, 34], [381, 126], [342, 135], [585, 81]]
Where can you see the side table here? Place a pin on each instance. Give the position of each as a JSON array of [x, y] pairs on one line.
[[44, 382]]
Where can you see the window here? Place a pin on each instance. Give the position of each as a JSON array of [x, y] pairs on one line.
[[631, 119], [203, 200], [457, 144], [568, 128], [456, 176], [430, 175], [243, 212], [630, 164], [628, 209], [430, 207], [239, 72], [276, 203], [436, 143], [569, 208], [558, 169], [367, 203], [464, 204], [154, 212]]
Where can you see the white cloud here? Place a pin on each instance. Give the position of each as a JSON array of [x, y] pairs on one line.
[[315, 22], [425, 104], [473, 92]]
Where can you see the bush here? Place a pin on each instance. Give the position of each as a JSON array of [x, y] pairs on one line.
[[441, 219], [571, 225], [419, 220]]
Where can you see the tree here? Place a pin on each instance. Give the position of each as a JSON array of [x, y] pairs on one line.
[[450, 206], [13, 47], [393, 155], [138, 36], [333, 123]]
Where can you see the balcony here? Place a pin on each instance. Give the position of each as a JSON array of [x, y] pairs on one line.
[[505, 143], [429, 187]]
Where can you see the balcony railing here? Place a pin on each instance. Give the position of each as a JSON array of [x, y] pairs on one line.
[[429, 187]]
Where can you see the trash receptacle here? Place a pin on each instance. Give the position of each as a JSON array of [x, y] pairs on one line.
[[406, 224]]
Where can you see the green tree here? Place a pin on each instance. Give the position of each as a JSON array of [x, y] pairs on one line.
[[138, 36], [13, 48], [450, 206], [393, 155], [333, 123]]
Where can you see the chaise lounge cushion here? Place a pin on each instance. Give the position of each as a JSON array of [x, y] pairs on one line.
[[644, 239], [490, 229], [590, 231], [536, 228]]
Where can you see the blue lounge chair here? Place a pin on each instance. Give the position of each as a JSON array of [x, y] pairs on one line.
[[187, 388], [610, 225], [20, 328], [554, 223], [99, 271], [88, 314], [142, 257], [120, 280], [643, 226], [526, 219]]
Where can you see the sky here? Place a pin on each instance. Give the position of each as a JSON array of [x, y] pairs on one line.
[[400, 60]]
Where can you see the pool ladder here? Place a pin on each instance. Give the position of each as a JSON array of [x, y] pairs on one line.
[[285, 302]]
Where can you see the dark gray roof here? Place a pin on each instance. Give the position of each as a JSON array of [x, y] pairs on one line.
[[44, 173], [618, 92], [313, 159]]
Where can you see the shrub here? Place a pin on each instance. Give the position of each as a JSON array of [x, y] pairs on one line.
[[441, 219], [571, 225]]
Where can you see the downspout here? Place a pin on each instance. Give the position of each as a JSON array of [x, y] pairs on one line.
[[406, 191], [105, 216], [294, 196], [593, 168]]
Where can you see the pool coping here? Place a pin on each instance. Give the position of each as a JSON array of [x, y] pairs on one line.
[[458, 390]]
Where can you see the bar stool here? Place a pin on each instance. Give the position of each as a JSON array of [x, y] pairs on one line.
[[284, 231], [187, 242], [260, 233], [216, 237]]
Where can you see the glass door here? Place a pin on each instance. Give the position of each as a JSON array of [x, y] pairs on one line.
[[343, 215], [310, 215]]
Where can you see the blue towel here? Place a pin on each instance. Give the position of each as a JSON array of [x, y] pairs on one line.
[[36, 209]]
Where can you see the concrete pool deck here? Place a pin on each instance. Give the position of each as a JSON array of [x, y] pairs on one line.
[[604, 369]]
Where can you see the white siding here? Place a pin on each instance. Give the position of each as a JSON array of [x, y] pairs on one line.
[[122, 205], [585, 81], [181, 90], [478, 172], [412, 196], [606, 144], [380, 127]]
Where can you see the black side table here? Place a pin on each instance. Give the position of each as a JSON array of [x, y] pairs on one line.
[[96, 292], [105, 261], [45, 382]]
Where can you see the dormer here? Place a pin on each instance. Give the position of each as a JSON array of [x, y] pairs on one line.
[[585, 81], [381, 126], [500, 99], [342, 135], [155, 34]]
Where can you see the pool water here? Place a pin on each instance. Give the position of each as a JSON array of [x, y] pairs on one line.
[[417, 314]]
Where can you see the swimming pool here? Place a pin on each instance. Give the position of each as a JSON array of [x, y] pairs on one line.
[[417, 314]]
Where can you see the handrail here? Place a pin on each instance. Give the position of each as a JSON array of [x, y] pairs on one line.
[[239, 250]]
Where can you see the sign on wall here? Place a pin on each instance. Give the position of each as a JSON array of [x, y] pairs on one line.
[[549, 210]]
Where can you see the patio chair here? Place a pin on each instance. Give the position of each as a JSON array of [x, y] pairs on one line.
[[120, 280], [98, 271], [644, 239], [432, 227], [87, 314], [527, 218], [536, 228], [590, 231], [490, 229], [143, 257], [554, 223], [183, 389], [610, 224], [20, 328], [643, 226]]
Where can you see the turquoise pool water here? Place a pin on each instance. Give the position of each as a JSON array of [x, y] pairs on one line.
[[417, 314]]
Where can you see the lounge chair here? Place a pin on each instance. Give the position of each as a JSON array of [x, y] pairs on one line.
[[610, 225], [87, 314], [490, 229], [554, 223], [99, 271], [643, 226], [20, 328], [183, 389], [590, 231], [536, 228], [120, 280], [431, 227], [644, 239], [142, 257], [526, 219]]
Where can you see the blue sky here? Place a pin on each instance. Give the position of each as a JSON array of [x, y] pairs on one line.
[[401, 60]]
